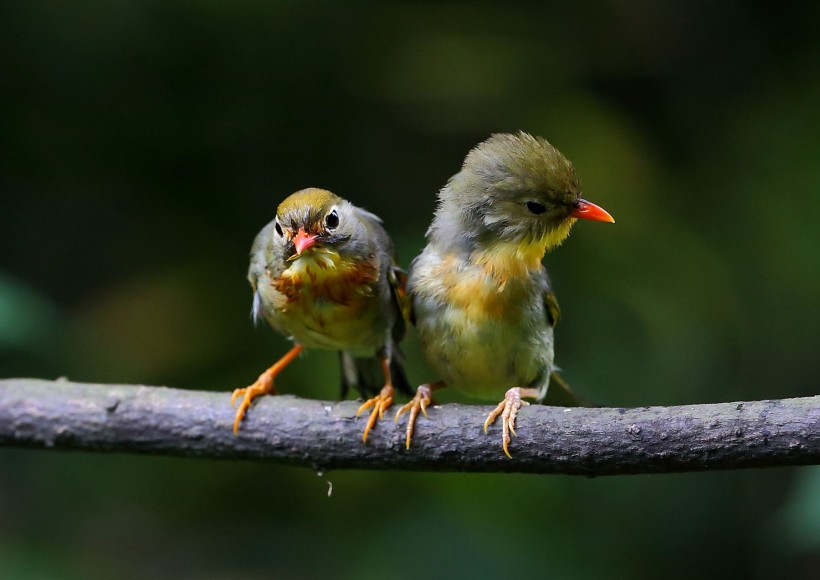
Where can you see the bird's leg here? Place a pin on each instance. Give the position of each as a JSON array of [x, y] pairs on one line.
[[424, 397], [262, 386], [508, 409], [381, 402]]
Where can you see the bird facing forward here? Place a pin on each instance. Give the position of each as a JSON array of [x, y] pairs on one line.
[[481, 298], [324, 274]]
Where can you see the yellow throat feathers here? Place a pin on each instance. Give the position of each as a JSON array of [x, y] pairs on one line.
[[325, 275], [505, 260]]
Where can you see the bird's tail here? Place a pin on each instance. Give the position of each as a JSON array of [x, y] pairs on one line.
[[366, 376], [561, 395]]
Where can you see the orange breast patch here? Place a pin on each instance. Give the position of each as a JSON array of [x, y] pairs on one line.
[[342, 284]]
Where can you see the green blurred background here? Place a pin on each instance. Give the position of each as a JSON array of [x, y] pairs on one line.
[[143, 145]]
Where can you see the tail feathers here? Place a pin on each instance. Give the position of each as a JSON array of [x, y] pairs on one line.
[[561, 395], [400, 378], [366, 376]]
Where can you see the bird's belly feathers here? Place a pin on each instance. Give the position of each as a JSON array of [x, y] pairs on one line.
[[358, 327], [480, 337], [329, 308]]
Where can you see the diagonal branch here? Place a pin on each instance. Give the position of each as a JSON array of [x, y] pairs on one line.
[[324, 435]]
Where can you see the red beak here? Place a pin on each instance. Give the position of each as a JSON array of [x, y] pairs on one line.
[[303, 241], [586, 210]]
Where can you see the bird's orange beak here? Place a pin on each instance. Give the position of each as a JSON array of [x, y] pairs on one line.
[[586, 210], [302, 241]]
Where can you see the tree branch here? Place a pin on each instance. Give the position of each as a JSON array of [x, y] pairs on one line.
[[324, 435]]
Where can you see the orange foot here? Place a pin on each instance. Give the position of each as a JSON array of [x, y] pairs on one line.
[[508, 409], [424, 397], [380, 404], [262, 386]]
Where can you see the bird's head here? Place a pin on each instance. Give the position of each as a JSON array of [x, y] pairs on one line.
[[516, 189], [313, 219]]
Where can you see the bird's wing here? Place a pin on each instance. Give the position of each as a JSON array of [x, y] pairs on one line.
[[398, 284], [397, 278], [552, 308], [365, 374], [559, 394]]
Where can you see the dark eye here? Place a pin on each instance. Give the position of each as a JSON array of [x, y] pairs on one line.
[[536, 207], [278, 229], [332, 220]]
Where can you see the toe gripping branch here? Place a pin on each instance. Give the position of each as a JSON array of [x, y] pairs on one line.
[[380, 403], [508, 409], [262, 386]]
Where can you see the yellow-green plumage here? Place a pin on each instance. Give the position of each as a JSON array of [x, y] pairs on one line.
[[478, 288], [307, 206], [481, 298], [339, 295]]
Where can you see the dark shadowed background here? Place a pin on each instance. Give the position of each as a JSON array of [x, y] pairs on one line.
[[143, 145]]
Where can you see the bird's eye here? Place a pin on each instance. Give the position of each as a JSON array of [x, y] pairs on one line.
[[278, 229], [536, 207], [332, 220]]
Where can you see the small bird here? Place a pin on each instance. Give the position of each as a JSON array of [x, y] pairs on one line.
[[481, 298], [323, 273]]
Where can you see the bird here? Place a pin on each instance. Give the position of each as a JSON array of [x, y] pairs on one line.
[[324, 273], [480, 297]]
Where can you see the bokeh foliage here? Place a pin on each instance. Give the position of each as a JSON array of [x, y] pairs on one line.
[[143, 144]]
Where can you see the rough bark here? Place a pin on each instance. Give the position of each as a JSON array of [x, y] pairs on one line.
[[325, 435]]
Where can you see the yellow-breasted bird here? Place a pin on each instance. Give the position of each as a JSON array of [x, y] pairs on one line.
[[323, 273], [481, 298]]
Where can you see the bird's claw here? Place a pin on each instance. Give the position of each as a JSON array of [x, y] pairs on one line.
[[380, 403], [508, 409], [262, 386], [423, 397]]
